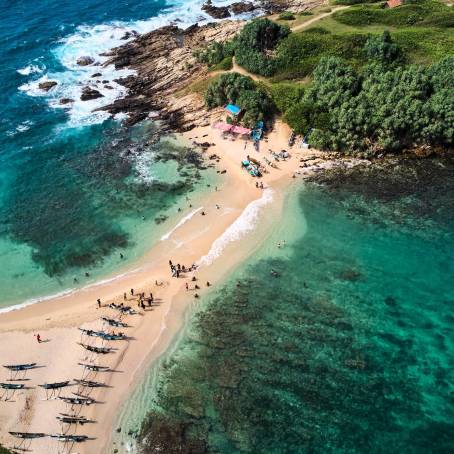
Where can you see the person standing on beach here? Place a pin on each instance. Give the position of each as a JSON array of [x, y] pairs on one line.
[[38, 338], [187, 286], [124, 296], [132, 292], [99, 303]]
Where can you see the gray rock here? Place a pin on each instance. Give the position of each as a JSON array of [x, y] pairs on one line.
[[89, 93], [85, 61], [47, 85]]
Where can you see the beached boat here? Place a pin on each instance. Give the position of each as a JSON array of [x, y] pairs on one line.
[[95, 368], [27, 435], [113, 322], [107, 336], [77, 400], [56, 385], [69, 438], [89, 383], [19, 367], [102, 350], [70, 419], [11, 385]]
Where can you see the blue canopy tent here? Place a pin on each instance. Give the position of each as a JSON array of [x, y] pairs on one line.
[[233, 110]]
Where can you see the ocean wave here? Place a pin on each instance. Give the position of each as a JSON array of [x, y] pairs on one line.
[[244, 224], [180, 223], [91, 41], [22, 127], [30, 69]]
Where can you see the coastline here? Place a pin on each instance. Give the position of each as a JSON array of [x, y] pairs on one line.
[[58, 319]]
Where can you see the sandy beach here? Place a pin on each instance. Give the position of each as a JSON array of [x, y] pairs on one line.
[[215, 241]]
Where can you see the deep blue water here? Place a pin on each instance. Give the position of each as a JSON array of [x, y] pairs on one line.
[[75, 188]]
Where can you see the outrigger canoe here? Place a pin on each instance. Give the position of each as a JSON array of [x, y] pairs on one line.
[[78, 400], [113, 322], [70, 419], [11, 385], [27, 435], [68, 438], [56, 385], [19, 367], [102, 350], [95, 368], [89, 384]]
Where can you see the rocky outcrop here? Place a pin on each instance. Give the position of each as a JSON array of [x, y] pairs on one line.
[[242, 7], [217, 12], [89, 93], [85, 61], [165, 66], [295, 6], [64, 101], [47, 85]]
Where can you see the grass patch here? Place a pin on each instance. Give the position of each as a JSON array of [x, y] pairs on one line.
[[286, 15], [197, 87], [226, 64], [423, 13]]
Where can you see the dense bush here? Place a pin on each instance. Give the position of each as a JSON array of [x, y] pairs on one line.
[[254, 42], [238, 89], [286, 15], [215, 53], [384, 109], [286, 95], [381, 48]]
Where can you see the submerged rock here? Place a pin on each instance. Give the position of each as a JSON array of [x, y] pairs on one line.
[[64, 101], [89, 93], [47, 85], [85, 61]]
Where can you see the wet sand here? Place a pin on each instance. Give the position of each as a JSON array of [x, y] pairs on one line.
[[216, 240]]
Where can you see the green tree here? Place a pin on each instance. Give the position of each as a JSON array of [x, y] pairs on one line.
[[381, 48]]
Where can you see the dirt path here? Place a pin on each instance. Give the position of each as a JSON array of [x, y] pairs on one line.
[[317, 18], [238, 69]]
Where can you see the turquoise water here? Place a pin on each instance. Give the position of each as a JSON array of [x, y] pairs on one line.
[[350, 349], [76, 188]]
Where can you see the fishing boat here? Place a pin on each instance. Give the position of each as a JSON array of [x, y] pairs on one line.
[[77, 400], [27, 435], [56, 385], [102, 350], [89, 383], [113, 322], [70, 419], [19, 367], [95, 368], [107, 336], [11, 385], [89, 332], [69, 438]]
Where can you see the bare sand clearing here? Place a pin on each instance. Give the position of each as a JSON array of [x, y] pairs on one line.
[[214, 241]]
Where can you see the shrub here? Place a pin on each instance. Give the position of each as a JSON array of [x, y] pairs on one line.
[[254, 41], [286, 15], [238, 89], [286, 95], [225, 64], [381, 48]]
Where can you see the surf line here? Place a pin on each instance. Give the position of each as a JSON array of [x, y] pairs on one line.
[[182, 221]]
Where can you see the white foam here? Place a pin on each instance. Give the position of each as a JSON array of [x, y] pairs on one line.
[[30, 69], [180, 223], [244, 224], [91, 41]]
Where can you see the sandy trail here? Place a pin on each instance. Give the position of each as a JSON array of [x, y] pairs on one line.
[[151, 331]]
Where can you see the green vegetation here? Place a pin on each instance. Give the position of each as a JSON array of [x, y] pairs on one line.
[[254, 43], [4, 450], [366, 79], [226, 64], [426, 13], [237, 89], [384, 109], [286, 15]]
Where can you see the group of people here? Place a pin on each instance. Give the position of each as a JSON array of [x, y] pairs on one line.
[[177, 269]]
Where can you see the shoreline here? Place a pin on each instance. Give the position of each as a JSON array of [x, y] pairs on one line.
[[58, 319]]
